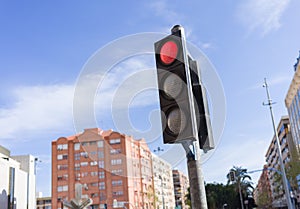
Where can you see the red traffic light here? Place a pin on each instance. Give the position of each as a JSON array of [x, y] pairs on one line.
[[168, 52]]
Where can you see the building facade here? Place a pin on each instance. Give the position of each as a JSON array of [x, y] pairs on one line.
[[292, 103], [262, 192], [17, 185], [43, 203], [113, 168], [273, 164], [163, 183], [181, 184]]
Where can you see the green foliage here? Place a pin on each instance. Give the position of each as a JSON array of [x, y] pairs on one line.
[[293, 167], [264, 199], [219, 194]]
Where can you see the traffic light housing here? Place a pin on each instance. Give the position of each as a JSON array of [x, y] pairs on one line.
[[182, 97], [175, 88], [105, 206], [201, 106], [232, 176]]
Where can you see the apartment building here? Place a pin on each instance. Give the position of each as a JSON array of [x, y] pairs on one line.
[[262, 192], [292, 103], [163, 183], [17, 185], [181, 184], [43, 203], [112, 167], [273, 164]]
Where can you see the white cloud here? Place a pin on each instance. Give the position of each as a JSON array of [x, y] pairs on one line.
[[37, 108], [40, 109], [263, 15], [162, 9]]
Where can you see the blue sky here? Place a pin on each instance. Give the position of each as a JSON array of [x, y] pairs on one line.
[[45, 45]]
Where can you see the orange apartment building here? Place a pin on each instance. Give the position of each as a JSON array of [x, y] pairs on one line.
[[110, 166], [181, 184]]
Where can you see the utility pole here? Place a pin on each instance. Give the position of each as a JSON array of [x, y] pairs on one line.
[[284, 179]]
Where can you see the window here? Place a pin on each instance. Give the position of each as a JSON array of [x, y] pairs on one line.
[[77, 166], [116, 161], [62, 177], [93, 163], [94, 195], [84, 174], [102, 197], [84, 144], [77, 177], [62, 188], [102, 186], [101, 175], [117, 193], [77, 146], [101, 164], [94, 184], [115, 151], [115, 141], [117, 183], [100, 143], [117, 172], [100, 154], [94, 173], [62, 146], [84, 164], [93, 153], [92, 143], [77, 156], [62, 157], [84, 154], [62, 167]]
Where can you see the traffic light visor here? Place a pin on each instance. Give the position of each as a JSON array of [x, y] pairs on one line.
[[168, 52]]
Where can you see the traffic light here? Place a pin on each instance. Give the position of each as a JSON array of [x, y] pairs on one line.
[[201, 106], [105, 206], [175, 88], [232, 176]]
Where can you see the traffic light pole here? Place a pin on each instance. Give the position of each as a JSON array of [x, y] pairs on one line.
[[197, 187]]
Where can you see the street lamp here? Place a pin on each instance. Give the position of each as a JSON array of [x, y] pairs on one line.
[[285, 182]]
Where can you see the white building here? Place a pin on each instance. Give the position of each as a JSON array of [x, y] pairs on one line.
[[163, 183], [17, 185]]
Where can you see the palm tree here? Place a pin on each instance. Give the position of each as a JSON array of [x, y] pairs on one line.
[[242, 181]]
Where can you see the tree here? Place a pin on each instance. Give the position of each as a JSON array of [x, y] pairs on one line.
[[242, 183], [187, 199], [293, 166], [218, 195]]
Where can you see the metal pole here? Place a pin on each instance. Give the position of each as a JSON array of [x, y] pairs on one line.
[[197, 187], [240, 192], [284, 179]]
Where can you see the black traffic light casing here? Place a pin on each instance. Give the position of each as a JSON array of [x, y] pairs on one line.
[[232, 176], [177, 107], [201, 108], [105, 206]]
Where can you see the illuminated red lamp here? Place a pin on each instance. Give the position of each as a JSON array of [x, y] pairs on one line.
[[168, 52]]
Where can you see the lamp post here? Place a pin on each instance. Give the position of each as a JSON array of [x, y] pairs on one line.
[[284, 179]]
